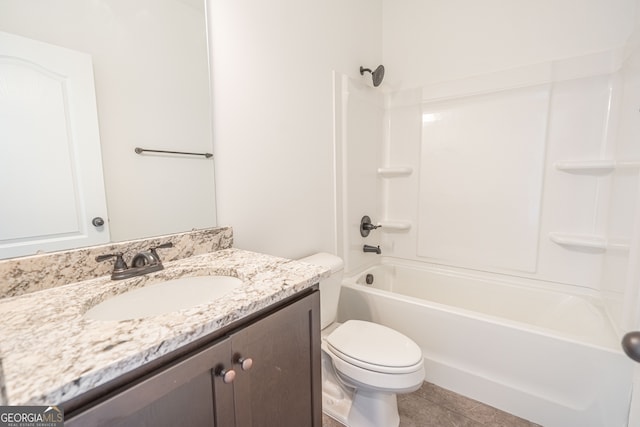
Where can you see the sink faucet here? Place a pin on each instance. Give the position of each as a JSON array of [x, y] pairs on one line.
[[141, 263], [369, 248]]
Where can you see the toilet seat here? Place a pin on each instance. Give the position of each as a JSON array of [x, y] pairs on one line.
[[375, 348]]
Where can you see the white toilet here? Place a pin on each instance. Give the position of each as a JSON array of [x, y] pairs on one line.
[[364, 364]]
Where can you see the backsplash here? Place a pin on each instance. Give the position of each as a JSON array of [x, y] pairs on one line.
[[37, 272]]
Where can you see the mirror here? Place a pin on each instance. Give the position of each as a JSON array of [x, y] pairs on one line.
[[152, 90]]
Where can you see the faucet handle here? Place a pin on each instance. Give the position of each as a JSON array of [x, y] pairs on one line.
[[162, 246], [366, 226], [119, 265]]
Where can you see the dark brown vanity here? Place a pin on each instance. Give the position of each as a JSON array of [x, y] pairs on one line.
[[263, 370]]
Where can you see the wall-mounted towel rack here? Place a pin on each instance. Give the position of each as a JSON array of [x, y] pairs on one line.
[[143, 150]]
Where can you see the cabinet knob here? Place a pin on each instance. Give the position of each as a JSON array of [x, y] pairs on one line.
[[245, 363], [228, 375]]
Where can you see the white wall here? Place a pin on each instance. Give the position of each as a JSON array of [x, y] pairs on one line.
[[440, 40], [272, 70]]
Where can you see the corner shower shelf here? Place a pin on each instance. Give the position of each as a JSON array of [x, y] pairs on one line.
[[595, 166], [585, 241], [394, 226], [395, 171]]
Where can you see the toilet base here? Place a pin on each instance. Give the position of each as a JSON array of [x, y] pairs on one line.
[[338, 409], [362, 409], [336, 398], [356, 407], [373, 409]]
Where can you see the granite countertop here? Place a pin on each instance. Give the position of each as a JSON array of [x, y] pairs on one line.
[[49, 353]]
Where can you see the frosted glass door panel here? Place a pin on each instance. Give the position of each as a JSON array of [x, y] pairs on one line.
[[481, 175], [50, 160]]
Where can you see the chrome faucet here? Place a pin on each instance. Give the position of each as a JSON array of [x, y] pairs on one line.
[[374, 249], [141, 263]]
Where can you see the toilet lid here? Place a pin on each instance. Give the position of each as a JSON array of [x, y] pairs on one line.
[[373, 346]]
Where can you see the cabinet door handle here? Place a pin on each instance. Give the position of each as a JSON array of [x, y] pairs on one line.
[[245, 363], [228, 375]]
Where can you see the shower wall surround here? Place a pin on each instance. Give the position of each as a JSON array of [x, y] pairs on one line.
[[360, 114], [481, 170], [34, 273], [529, 172]]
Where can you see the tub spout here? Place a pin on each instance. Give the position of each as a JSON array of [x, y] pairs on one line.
[[369, 248]]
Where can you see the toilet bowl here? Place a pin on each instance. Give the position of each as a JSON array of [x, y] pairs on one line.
[[364, 364]]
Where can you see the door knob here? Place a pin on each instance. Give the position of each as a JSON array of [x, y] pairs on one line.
[[631, 345], [97, 222]]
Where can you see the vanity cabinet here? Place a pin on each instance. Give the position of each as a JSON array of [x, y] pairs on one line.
[[279, 385]]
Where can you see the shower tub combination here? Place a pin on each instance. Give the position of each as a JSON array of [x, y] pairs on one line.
[[548, 357]]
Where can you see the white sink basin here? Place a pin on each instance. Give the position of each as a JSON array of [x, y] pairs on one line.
[[164, 297]]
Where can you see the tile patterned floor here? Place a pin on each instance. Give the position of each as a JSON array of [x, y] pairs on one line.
[[432, 406]]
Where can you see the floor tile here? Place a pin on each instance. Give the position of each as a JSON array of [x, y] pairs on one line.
[[416, 412], [327, 421]]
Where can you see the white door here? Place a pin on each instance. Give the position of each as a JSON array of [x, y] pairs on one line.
[[52, 185], [632, 308]]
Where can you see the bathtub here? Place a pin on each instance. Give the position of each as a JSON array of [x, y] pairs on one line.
[[549, 357]]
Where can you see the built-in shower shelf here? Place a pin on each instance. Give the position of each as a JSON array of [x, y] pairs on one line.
[[394, 226], [595, 166], [395, 171], [587, 241]]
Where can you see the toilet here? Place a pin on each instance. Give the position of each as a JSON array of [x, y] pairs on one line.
[[364, 364]]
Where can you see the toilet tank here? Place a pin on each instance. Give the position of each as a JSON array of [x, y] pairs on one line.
[[329, 287]]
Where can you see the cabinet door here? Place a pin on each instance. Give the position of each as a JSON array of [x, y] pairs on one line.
[[181, 395], [283, 387]]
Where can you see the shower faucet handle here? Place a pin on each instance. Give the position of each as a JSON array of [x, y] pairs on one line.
[[366, 226]]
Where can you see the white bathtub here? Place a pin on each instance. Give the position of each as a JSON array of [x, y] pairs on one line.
[[548, 357]]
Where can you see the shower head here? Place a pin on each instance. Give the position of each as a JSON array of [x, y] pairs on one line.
[[377, 75]]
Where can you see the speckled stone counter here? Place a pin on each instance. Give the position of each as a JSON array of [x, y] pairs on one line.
[[50, 353], [22, 275]]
